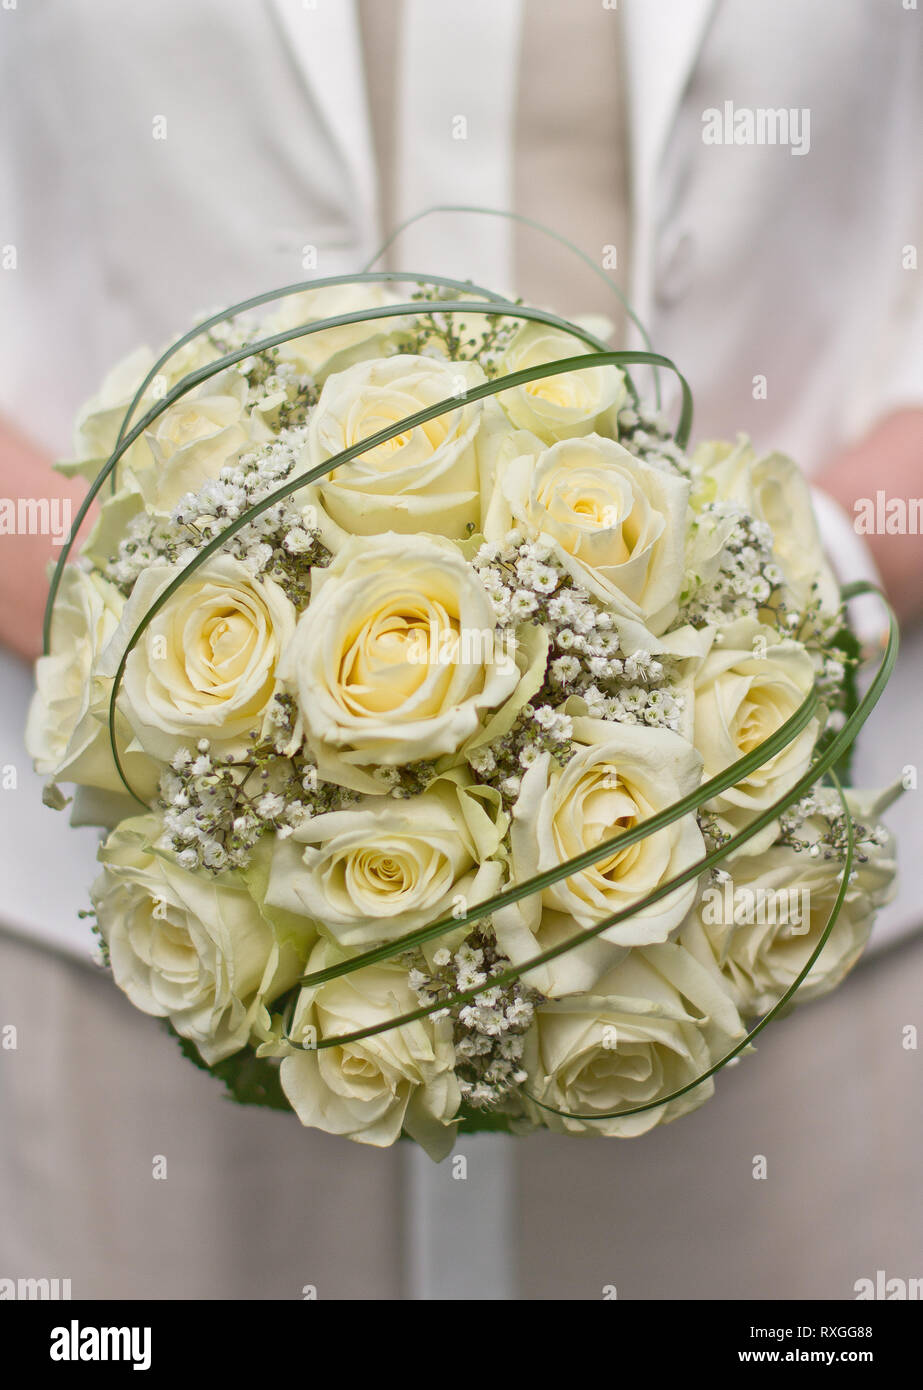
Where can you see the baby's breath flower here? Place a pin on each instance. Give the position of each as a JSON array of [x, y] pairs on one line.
[[489, 1029], [279, 542]]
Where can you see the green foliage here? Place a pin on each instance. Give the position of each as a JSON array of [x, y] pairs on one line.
[[248, 1079], [482, 1121]]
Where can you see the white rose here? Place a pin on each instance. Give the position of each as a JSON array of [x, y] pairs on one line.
[[775, 491], [617, 524], [205, 667], [563, 406], [99, 421], [335, 349], [383, 867], [186, 946], [764, 920], [623, 775], [747, 687], [67, 733], [371, 1089], [196, 437], [427, 479], [653, 1024], [367, 658]]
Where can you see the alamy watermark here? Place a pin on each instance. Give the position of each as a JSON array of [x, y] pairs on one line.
[[36, 516], [34, 1290], [890, 1288], [468, 647], [77, 1343], [758, 125], [882, 515], [727, 905]]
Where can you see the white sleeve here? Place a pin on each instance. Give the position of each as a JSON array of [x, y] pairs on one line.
[[851, 559]]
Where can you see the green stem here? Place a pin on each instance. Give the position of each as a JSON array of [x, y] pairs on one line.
[[536, 227], [729, 777], [210, 369], [822, 765], [764, 1021], [302, 480]]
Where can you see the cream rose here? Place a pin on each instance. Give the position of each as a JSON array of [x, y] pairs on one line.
[[187, 946], [426, 479], [617, 524], [100, 420], [371, 1089], [334, 349], [205, 667], [196, 437], [621, 776], [762, 920], [384, 867], [67, 732], [750, 683], [775, 491], [563, 406], [396, 658], [653, 1024]]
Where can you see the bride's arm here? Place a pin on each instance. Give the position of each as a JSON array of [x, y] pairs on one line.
[[37, 506], [889, 459]]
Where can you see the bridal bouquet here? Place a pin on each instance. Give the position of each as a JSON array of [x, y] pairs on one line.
[[460, 738]]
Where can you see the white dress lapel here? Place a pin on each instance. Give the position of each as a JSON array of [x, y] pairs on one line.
[[325, 42], [466, 68], [662, 40]]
